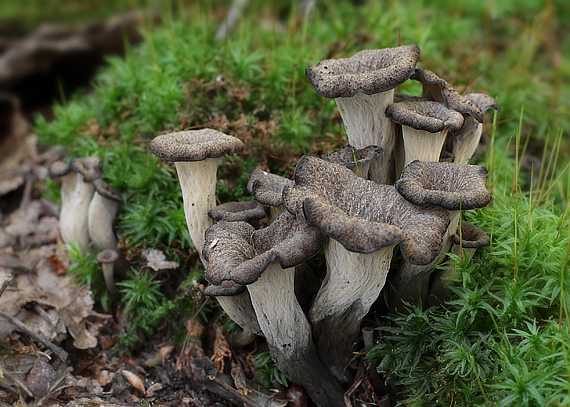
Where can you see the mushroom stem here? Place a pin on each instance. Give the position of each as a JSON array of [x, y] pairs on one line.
[[465, 144], [199, 196], [102, 212], [289, 337], [74, 228], [366, 124], [352, 284], [422, 145]]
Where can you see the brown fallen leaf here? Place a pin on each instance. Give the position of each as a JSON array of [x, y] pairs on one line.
[[134, 380], [221, 349], [156, 260]]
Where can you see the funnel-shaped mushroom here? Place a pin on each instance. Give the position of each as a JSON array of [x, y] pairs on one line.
[[195, 155], [263, 260], [363, 86], [466, 141], [449, 186], [360, 217], [102, 211], [357, 159], [425, 125]]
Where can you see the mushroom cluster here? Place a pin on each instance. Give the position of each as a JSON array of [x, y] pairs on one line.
[[88, 209], [384, 202]]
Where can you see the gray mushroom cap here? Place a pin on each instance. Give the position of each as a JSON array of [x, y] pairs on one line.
[[59, 169], [349, 156], [368, 71], [362, 215], [88, 167], [471, 237], [483, 101], [244, 211], [267, 188], [195, 145], [435, 88], [106, 191], [226, 288], [239, 253], [107, 256], [447, 185], [425, 115]]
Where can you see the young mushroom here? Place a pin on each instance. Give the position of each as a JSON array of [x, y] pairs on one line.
[[363, 86], [364, 221], [101, 215], [357, 159], [195, 154], [107, 258], [451, 186], [264, 261], [425, 125]]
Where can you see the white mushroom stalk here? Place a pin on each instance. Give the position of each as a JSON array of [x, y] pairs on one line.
[[363, 86], [101, 215], [364, 221], [195, 155], [264, 260]]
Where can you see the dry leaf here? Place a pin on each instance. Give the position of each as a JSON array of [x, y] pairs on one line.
[[221, 349], [156, 260], [134, 380]]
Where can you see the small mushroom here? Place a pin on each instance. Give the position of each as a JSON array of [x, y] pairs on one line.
[[465, 142], [363, 86], [264, 260], [364, 221], [195, 154], [267, 189], [425, 125], [76, 193], [357, 159], [107, 258], [101, 215]]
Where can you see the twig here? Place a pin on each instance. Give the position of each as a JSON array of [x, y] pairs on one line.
[[60, 353]]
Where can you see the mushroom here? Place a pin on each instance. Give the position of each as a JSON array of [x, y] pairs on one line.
[[364, 221], [357, 159], [425, 125], [101, 215], [267, 189], [245, 211], [264, 260], [76, 193], [107, 258], [466, 240], [363, 86], [195, 154], [466, 141], [450, 186]]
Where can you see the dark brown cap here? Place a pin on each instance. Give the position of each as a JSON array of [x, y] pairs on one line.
[[447, 185], [483, 101], [470, 236], [195, 145], [425, 115], [106, 191], [350, 157], [244, 211], [267, 188], [368, 71]]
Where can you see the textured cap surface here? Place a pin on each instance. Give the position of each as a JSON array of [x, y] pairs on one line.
[[435, 88], [447, 185], [425, 115], [244, 211], [483, 101], [354, 211], [106, 191], [368, 71], [350, 157], [88, 167], [471, 236], [267, 188], [195, 145]]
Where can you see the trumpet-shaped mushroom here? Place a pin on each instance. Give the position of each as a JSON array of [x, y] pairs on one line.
[[264, 260], [425, 125], [102, 211], [357, 159], [363, 86], [195, 155], [450, 186], [267, 189], [364, 221]]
